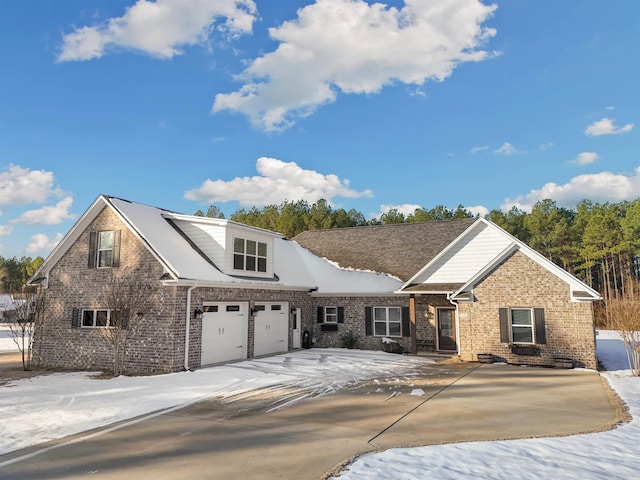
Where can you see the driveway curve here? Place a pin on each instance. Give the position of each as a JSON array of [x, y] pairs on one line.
[[252, 435]]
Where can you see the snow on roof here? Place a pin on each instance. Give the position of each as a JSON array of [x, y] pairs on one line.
[[294, 266]]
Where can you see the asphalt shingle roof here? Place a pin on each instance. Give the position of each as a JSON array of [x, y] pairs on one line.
[[399, 249]]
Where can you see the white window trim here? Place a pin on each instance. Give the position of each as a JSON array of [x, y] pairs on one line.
[[245, 255], [330, 317], [95, 312], [100, 249], [531, 326], [373, 319]]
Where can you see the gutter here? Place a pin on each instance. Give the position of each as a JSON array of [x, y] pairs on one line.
[[188, 327]]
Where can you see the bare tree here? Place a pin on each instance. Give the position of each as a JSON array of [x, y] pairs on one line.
[[29, 313], [623, 313], [127, 297]]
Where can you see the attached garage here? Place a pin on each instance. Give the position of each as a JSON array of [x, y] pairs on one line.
[[224, 332], [271, 328]]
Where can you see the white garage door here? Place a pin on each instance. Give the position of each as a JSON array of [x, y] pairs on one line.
[[271, 328], [224, 332]]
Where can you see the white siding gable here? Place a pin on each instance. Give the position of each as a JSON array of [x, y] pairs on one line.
[[468, 256], [209, 238], [214, 238]]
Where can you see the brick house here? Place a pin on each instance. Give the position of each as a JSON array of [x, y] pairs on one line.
[[221, 291]]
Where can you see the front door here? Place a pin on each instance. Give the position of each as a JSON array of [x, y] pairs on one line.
[[447, 329], [297, 331]]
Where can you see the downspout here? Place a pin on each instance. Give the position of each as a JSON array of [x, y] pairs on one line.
[[187, 328], [455, 304]]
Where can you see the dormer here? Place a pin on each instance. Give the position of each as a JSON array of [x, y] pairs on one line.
[[235, 249], [248, 252]]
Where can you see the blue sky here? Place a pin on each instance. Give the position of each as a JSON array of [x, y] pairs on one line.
[[181, 104]]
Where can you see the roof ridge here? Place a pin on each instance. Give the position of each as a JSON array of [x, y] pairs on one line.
[[392, 225]]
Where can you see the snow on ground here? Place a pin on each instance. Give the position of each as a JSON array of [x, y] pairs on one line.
[[53, 406], [6, 340], [607, 455]]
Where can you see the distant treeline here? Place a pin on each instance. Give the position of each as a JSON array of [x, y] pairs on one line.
[[597, 242]]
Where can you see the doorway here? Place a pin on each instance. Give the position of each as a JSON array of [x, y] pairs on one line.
[[447, 340], [297, 331]]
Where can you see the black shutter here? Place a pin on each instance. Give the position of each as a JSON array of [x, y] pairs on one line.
[[93, 245], [504, 325], [75, 318], [116, 249], [340, 314], [406, 322], [320, 314], [541, 334], [368, 321], [124, 321]]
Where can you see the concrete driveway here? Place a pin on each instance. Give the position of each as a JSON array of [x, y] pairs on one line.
[[243, 438]]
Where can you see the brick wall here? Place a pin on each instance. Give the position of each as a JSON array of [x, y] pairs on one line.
[[354, 320], [156, 341], [521, 282], [151, 343]]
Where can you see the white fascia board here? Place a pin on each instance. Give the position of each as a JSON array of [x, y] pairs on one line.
[[487, 268], [574, 282], [237, 285], [442, 253], [351, 294]]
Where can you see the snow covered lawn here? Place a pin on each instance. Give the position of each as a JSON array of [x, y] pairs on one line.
[[53, 406], [6, 340], [614, 454]]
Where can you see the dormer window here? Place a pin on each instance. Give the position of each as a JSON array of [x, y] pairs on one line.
[[249, 255]]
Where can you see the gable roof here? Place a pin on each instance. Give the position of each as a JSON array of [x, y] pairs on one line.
[[400, 249], [159, 231], [474, 254]]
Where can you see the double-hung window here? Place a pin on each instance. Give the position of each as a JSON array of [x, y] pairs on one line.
[[249, 255], [95, 318], [522, 325], [104, 249], [387, 321], [330, 314]]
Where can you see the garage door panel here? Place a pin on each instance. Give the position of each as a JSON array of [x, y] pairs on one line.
[[224, 332], [271, 329]]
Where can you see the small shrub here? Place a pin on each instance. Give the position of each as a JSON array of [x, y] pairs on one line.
[[349, 339]]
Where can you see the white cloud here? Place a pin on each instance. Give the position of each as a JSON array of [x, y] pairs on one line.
[[41, 243], [352, 46], [48, 215], [161, 28], [5, 230], [546, 146], [278, 181], [21, 186], [586, 158], [598, 187], [506, 149], [606, 127], [405, 208], [480, 210], [480, 148]]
